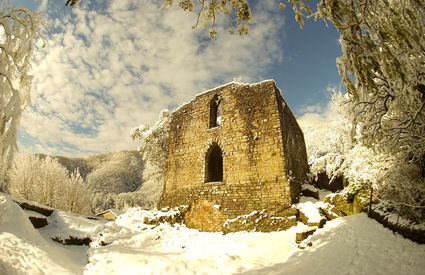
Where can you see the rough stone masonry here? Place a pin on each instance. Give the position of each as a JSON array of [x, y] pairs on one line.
[[234, 150]]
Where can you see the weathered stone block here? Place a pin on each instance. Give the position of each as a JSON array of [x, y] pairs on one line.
[[301, 236], [205, 216]]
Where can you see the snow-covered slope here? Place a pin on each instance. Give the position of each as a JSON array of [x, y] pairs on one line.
[[353, 245], [350, 245], [23, 250]]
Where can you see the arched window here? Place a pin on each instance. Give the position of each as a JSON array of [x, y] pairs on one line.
[[214, 164], [215, 112]]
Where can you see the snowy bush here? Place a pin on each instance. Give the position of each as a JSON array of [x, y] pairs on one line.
[[47, 182], [328, 139], [153, 147]]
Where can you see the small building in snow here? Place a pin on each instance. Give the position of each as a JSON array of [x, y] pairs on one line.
[[110, 214]]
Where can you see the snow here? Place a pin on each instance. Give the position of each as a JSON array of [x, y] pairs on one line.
[[310, 208], [349, 245], [63, 225], [310, 187], [23, 250], [241, 217], [353, 245], [394, 218]]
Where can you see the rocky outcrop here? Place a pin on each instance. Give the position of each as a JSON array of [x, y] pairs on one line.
[[345, 207]]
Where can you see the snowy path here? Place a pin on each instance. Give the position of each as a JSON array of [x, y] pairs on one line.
[[353, 245]]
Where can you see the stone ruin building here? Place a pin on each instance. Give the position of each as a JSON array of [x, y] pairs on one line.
[[231, 151]]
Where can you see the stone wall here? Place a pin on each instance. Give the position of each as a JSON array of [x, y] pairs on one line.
[[262, 146]]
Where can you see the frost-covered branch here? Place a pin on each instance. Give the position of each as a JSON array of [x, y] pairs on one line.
[[19, 28], [46, 181], [72, 3], [239, 11]]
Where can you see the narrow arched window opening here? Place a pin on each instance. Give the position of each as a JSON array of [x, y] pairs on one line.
[[215, 112], [214, 164], [218, 115]]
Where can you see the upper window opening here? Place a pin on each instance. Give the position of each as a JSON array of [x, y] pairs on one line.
[[218, 116], [215, 113]]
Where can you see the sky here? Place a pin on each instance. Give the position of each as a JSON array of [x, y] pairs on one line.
[[110, 66]]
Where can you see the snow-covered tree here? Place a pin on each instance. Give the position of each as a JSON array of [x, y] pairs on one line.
[[338, 149], [153, 147], [23, 176], [47, 182], [19, 28], [383, 68], [75, 197]]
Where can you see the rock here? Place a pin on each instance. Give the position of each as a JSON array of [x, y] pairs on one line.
[[73, 241], [319, 223], [301, 236], [310, 215], [33, 206], [304, 245], [38, 222], [331, 212], [346, 207]]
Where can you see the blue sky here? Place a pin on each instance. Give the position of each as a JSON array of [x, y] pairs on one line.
[[112, 65]]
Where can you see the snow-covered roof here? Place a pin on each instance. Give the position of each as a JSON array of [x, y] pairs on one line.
[[224, 85], [115, 212]]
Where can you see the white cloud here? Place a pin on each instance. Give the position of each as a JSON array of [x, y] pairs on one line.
[[319, 106], [116, 64]]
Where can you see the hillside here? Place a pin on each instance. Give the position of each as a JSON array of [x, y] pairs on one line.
[[114, 172]]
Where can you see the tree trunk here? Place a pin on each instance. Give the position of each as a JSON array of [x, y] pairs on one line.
[[369, 213]]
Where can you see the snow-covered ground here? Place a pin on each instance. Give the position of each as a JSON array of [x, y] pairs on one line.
[[350, 245]]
